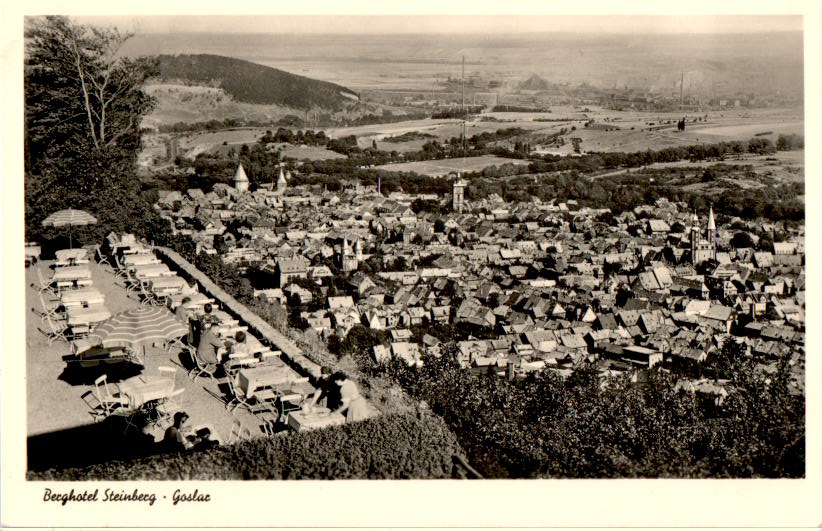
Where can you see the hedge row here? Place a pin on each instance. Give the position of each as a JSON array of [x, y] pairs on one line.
[[386, 447]]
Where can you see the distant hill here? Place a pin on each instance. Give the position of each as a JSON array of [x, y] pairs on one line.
[[253, 83], [534, 83]]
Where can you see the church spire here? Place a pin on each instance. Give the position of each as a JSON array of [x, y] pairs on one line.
[[711, 222]]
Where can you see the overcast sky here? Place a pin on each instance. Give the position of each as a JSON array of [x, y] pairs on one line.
[[449, 24]]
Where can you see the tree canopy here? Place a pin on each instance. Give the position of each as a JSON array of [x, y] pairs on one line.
[[84, 102]]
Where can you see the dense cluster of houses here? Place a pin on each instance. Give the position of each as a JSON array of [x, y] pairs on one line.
[[519, 286]]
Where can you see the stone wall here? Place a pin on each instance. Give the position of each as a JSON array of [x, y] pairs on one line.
[[291, 354]]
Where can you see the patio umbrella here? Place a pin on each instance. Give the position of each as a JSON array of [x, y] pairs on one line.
[[71, 218], [139, 327]]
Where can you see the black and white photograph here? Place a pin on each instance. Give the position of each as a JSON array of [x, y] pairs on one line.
[[433, 247]]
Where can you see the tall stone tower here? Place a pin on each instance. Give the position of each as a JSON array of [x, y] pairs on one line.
[[358, 250], [348, 258], [703, 249], [282, 182], [711, 234], [458, 194], [240, 179]]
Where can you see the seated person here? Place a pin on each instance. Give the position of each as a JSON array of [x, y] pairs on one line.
[[208, 314], [181, 313], [240, 345], [181, 436], [207, 317], [209, 347], [175, 437]]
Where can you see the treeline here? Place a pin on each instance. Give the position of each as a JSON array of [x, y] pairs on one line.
[[409, 182], [544, 426], [790, 142], [593, 162], [517, 108], [308, 137], [622, 193], [407, 137], [253, 83], [457, 112], [385, 117], [211, 125]]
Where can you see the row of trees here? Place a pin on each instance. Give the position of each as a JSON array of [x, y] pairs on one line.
[[594, 162], [308, 137]]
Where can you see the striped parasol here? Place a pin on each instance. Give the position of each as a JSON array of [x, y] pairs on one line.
[[138, 328], [70, 218]]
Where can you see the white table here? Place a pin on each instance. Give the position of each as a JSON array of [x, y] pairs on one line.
[[151, 271], [140, 259], [86, 316], [306, 420], [198, 300], [64, 255], [140, 390], [82, 297], [71, 273]]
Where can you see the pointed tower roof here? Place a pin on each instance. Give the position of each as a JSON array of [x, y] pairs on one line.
[[281, 179], [711, 222], [695, 219], [240, 175]]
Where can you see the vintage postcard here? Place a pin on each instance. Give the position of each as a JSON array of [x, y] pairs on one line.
[[366, 266]]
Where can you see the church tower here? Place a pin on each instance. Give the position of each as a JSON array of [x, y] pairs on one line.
[[240, 180], [703, 248], [358, 250], [282, 182], [711, 233], [348, 258], [458, 194]]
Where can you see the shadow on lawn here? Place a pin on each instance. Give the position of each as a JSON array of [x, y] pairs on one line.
[[91, 444]]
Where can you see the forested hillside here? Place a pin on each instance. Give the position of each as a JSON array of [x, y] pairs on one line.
[[253, 83]]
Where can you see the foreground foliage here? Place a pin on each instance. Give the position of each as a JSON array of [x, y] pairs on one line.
[[84, 103], [544, 426], [389, 447]]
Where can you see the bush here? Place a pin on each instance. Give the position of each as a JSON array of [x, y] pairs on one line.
[[389, 447]]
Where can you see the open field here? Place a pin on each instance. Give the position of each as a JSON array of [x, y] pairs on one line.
[[749, 130], [190, 104], [309, 152], [437, 168]]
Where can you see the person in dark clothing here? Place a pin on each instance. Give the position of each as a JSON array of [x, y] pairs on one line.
[[175, 437], [328, 392], [209, 348], [180, 436]]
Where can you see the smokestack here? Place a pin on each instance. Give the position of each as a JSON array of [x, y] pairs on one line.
[[681, 89], [463, 106]]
